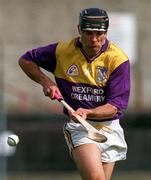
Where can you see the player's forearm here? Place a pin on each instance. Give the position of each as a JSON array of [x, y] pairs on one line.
[[33, 71], [106, 111]]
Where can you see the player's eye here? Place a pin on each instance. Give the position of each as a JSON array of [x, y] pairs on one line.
[[100, 33], [88, 32]]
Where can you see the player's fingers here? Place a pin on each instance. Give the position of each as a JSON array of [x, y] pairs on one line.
[[72, 116], [56, 95], [47, 91], [80, 113], [51, 91]]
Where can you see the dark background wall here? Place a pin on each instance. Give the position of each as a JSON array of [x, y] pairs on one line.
[[43, 147]]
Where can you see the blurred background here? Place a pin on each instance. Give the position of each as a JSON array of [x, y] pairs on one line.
[[42, 152]]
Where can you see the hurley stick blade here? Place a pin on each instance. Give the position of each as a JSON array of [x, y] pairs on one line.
[[95, 136], [93, 133]]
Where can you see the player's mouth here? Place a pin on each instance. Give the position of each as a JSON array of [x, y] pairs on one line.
[[93, 46]]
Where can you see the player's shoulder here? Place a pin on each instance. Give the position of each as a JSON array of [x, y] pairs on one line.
[[114, 56], [115, 51], [67, 44]]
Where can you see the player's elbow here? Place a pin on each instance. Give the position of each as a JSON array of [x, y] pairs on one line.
[[24, 64], [113, 110], [21, 62]]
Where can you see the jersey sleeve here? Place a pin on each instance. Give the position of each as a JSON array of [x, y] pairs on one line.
[[118, 87], [43, 56]]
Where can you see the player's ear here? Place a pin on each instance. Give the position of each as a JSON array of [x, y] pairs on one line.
[[79, 29]]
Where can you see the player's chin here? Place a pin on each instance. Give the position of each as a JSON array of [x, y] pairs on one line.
[[95, 49]]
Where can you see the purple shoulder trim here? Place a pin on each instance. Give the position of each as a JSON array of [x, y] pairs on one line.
[[43, 56]]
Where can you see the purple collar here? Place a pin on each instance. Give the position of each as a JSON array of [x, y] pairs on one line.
[[103, 48]]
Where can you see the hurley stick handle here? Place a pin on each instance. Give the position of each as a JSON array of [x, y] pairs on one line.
[[88, 126]]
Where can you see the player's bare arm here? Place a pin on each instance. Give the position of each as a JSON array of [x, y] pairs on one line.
[[33, 71], [106, 111]]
